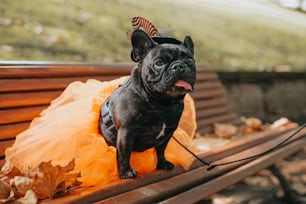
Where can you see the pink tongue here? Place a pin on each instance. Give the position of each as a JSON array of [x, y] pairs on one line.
[[184, 84]]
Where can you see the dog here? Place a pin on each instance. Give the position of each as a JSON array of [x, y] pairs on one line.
[[145, 110]]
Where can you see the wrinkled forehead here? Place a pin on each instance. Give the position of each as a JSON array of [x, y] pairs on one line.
[[170, 51]]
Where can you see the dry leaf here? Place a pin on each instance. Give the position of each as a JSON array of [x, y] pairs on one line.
[[9, 170], [29, 198], [50, 181], [283, 123], [5, 188], [251, 125], [247, 130], [258, 181], [252, 122], [221, 199], [22, 184], [225, 130]]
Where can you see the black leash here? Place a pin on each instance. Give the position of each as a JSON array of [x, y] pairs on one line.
[[211, 166]]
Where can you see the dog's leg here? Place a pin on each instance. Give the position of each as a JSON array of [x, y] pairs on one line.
[[162, 163], [124, 149]]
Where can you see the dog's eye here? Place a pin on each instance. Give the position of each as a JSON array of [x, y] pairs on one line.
[[160, 63], [190, 60]]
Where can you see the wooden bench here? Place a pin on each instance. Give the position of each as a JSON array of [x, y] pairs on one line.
[[26, 88]]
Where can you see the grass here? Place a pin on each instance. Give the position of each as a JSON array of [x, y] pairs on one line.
[[94, 31]]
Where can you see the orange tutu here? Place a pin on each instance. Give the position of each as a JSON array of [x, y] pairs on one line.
[[68, 129]]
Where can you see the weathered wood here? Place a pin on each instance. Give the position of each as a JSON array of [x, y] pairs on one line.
[[11, 130], [208, 94], [221, 101], [56, 70], [21, 99], [20, 114], [205, 113], [44, 84], [5, 144]]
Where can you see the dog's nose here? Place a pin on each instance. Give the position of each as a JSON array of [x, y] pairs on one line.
[[179, 66]]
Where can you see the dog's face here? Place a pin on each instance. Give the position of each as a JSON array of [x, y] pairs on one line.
[[167, 68]]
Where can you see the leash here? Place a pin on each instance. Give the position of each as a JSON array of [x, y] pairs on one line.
[[212, 165]]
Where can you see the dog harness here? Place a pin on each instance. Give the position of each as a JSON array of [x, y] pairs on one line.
[[106, 116]]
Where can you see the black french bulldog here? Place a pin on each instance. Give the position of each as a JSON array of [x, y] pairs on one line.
[[145, 110]]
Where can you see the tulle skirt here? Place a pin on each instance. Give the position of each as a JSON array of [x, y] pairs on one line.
[[68, 129]]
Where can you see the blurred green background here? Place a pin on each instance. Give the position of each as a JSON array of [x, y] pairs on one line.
[[228, 35]]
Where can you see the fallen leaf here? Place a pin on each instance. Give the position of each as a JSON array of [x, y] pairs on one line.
[[5, 189], [50, 181], [22, 184], [283, 122], [29, 198], [221, 199], [258, 181], [225, 131], [9, 170], [252, 122], [299, 187]]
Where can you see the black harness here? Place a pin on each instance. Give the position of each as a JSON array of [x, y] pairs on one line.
[[106, 116]]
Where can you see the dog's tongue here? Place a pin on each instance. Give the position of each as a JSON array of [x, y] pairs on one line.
[[184, 84]]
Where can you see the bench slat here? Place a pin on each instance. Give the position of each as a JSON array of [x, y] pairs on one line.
[[205, 113], [11, 85], [5, 144], [11, 130], [208, 94], [208, 85], [205, 75], [206, 125], [20, 114], [211, 103], [21, 99], [40, 70]]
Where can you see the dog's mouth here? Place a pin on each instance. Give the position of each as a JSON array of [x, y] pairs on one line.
[[181, 84]]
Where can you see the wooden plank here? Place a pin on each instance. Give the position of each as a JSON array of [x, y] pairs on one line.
[[202, 191], [218, 118], [207, 113], [5, 144], [20, 114], [202, 104], [11, 85], [1, 162], [207, 76], [178, 186], [208, 85], [11, 130], [21, 99], [225, 118], [208, 94], [56, 70]]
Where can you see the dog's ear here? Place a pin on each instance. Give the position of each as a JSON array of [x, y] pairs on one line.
[[142, 44], [188, 43]]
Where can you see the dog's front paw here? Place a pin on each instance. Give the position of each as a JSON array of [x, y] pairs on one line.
[[129, 173], [165, 165]]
